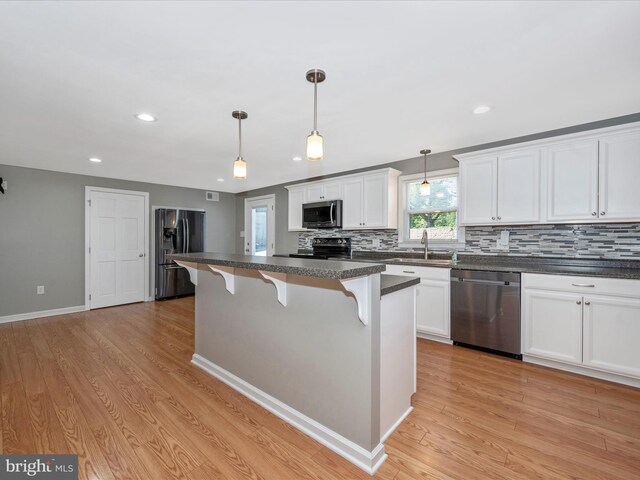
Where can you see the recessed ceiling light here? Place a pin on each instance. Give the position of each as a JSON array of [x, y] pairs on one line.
[[479, 110], [95, 160], [297, 159], [220, 179], [146, 117]]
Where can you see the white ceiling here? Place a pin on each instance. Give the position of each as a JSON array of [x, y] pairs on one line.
[[400, 77]]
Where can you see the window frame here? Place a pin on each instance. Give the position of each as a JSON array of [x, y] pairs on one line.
[[403, 212]]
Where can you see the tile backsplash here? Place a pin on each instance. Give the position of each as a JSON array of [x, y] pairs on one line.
[[620, 240]]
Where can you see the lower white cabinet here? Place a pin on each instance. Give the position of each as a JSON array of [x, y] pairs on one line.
[[553, 325], [432, 299], [589, 322], [612, 334]]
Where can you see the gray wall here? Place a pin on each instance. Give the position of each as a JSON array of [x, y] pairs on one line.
[[287, 242], [42, 233]]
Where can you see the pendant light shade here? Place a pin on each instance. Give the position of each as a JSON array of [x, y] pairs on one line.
[[315, 148], [240, 169], [239, 166], [425, 188]]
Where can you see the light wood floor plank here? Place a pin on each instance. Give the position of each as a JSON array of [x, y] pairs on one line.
[[116, 386]]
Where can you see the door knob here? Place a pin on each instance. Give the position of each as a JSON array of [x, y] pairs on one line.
[[594, 213], [587, 303], [140, 255], [493, 218], [603, 213], [499, 218], [578, 302]]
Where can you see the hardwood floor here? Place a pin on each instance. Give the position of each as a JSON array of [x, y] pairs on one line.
[[116, 387]]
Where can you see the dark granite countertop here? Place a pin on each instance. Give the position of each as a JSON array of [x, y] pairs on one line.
[[295, 266], [587, 267], [393, 283]]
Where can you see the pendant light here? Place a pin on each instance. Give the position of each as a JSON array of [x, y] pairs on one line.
[[314, 140], [425, 188], [239, 166]]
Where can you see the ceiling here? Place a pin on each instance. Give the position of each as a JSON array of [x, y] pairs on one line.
[[401, 76]]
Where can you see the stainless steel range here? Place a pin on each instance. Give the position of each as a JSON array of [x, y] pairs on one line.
[[328, 248]]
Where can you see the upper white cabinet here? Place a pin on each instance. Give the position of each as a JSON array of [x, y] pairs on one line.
[[503, 188], [296, 199], [619, 174], [589, 176], [369, 200], [572, 181], [478, 190], [318, 192]]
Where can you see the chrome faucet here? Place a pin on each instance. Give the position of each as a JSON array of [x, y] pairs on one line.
[[425, 242]]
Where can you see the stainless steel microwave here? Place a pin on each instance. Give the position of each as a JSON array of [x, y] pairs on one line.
[[322, 214]]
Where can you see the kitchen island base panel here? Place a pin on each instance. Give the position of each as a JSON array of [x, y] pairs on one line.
[[313, 355], [369, 461]]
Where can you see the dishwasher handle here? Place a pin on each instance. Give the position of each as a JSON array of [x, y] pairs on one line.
[[486, 282]]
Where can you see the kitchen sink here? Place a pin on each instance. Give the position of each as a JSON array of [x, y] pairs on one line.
[[418, 261]]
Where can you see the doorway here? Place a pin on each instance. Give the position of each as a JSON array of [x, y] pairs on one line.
[[259, 226], [116, 241]]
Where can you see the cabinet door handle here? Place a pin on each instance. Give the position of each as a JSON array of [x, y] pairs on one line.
[[594, 213], [603, 213], [408, 271], [499, 218], [587, 303], [578, 302], [493, 218], [582, 285]]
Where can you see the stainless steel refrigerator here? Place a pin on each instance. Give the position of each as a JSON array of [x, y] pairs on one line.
[[177, 231]]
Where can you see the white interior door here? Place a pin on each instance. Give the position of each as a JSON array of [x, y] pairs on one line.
[[259, 226], [117, 248]]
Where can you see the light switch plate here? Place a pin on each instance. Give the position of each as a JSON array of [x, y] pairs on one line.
[[40, 290]]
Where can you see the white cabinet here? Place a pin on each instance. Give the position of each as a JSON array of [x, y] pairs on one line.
[[500, 189], [519, 187], [323, 191], [611, 334], [296, 199], [572, 181], [369, 200], [619, 175], [584, 177], [553, 325], [585, 322], [352, 203], [478, 191], [433, 316]]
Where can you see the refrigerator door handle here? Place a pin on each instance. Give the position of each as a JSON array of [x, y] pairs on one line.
[[186, 235]]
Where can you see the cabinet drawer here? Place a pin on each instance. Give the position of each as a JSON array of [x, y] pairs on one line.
[[431, 273], [583, 285]]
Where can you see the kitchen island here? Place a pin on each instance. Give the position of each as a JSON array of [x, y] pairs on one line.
[[325, 345]]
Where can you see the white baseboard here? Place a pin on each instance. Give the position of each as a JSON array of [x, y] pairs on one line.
[[435, 338], [369, 461], [589, 372], [42, 313], [396, 425]]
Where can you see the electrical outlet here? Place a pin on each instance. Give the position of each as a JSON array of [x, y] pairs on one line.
[[40, 290], [241, 233], [503, 241], [375, 243]]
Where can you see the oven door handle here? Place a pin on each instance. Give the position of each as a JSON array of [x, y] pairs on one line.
[[331, 212]]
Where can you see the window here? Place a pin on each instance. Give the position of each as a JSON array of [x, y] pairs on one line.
[[437, 212]]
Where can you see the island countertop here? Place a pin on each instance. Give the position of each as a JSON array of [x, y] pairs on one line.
[[337, 269]]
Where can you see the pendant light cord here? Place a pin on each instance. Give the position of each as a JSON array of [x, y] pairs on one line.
[[240, 136], [315, 104], [425, 167]]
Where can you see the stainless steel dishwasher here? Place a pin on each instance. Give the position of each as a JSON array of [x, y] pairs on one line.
[[485, 310]]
